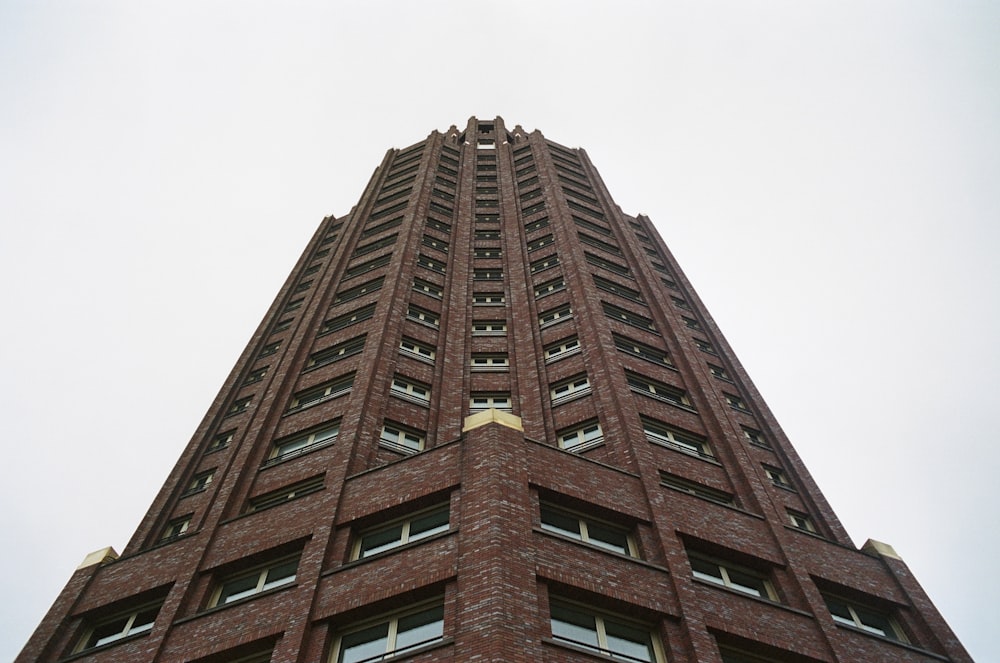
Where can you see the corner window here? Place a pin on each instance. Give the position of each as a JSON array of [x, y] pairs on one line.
[[602, 634], [587, 530], [395, 636], [400, 532], [243, 585]]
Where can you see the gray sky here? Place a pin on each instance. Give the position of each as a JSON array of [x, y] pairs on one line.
[[825, 172]]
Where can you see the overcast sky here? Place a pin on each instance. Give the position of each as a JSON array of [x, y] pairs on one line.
[[826, 173]]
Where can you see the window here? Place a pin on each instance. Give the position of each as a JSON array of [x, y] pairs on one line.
[[302, 443], [411, 390], [537, 224], [649, 387], [547, 288], [435, 243], [726, 575], [719, 372], [396, 636], [850, 613], [439, 225], [291, 306], [736, 402], [567, 389], [365, 267], [490, 362], [778, 477], [220, 441], [243, 585], [590, 225], [487, 253], [400, 439], [256, 376], [690, 323], [119, 627], [664, 435], [495, 274], [323, 392], [588, 530], [604, 246], [641, 350], [358, 291], [621, 270], [488, 299], [755, 437], [348, 319], [430, 263], [400, 532], [480, 401], [486, 234], [801, 521], [616, 289], [543, 241], [696, 489], [339, 351], [705, 346], [552, 316], [610, 636], [282, 325], [582, 438], [562, 349], [176, 528], [423, 316], [199, 482], [239, 405], [680, 303], [270, 349], [416, 349], [282, 495], [628, 317], [489, 328], [544, 263]]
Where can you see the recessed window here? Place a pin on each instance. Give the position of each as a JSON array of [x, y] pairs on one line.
[[602, 634], [617, 289], [220, 441], [778, 477], [282, 325], [200, 481], [416, 349], [877, 622], [282, 495], [411, 390], [495, 274], [539, 243], [696, 489], [755, 437], [705, 346], [552, 316], [247, 584], [400, 532], [359, 290], [641, 350], [378, 641], [401, 439], [581, 438], [659, 433], [348, 319], [801, 521], [628, 317], [270, 349], [488, 299], [480, 401], [562, 349], [256, 376], [588, 530], [435, 243], [549, 287], [544, 263], [293, 305], [719, 372], [121, 626], [430, 263], [487, 253], [490, 362], [336, 352], [736, 402], [733, 577], [489, 328], [568, 389], [423, 316], [481, 235], [323, 392], [302, 443], [658, 390], [690, 323], [176, 528]]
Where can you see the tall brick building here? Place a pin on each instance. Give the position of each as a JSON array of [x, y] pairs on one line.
[[488, 419]]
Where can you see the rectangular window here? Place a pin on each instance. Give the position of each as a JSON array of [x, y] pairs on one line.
[[659, 433], [690, 323], [778, 477], [490, 362], [430, 263], [380, 641], [336, 352], [870, 620], [435, 243], [374, 246], [551, 317], [428, 288], [282, 325], [400, 532], [119, 627], [486, 234], [537, 224], [480, 401], [604, 246], [220, 441], [680, 303], [544, 263], [727, 575], [411, 390], [801, 521], [359, 291], [239, 405], [641, 350], [655, 389], [489, 328], [755, 437], [595, 227], [382, 227], [199, 482], [705, 346], [494, 274], [549, 287], [582, 437], [423, 316], [719, 373], [541, 242], [696, 489], [488, 299], [270, 349], [569, 389], [628, 317], [303, 442], [302, 287], [348, 319], [609, 636], [366, 267], [282, 495], [323, 392], [416, 349], [736, 402], [176, 528], [487, 253], [614, 267], [440, 226], [256, 376], [562, 349], [588, 530], [401, 439], [249, 583], [616, 289]]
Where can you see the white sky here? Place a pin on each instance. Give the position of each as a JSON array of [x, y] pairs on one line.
[[825, 172]]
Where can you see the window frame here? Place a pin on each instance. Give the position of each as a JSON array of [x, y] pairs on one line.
[[391, 429], [127, 618], [391, 622], [601, 619], [664, 435], [405, 524], [586, 523], [303, 442], [855, 618], [218, 599], [570, 389], [730, 575], [410, 390]]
